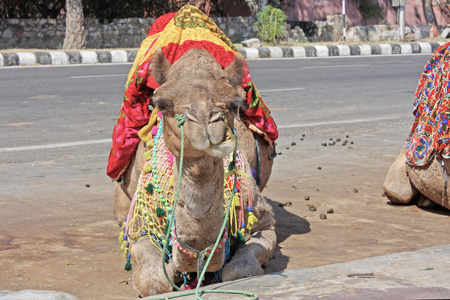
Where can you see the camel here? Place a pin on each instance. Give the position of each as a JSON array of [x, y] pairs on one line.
[[209, 97], [405, 182], [422, 167]]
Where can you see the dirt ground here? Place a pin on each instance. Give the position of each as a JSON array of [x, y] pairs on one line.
[[58, 231]]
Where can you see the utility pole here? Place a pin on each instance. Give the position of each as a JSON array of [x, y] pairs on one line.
[[400, 4], [344, 21]]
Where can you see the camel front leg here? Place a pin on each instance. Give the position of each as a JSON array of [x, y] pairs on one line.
[[148, 274], [247, 260]]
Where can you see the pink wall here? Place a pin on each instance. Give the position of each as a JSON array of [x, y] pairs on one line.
[[316, 10]]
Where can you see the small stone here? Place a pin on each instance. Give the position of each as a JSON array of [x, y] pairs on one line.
[[287, 148], [301, 139], [347, 136], [324, 144], [88, 185], [312, 208], [355, 190], [330, 139], [303, 135], [294, 187], [293, 143], [323, 216], [330, 211], [280, 153], [319, 168], [351, 143], [344, 143], [338, 140], [306, 198]]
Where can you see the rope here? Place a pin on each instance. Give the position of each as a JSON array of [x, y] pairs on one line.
[[232, 169]]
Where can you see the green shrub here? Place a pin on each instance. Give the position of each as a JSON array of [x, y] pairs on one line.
[[271, 22]]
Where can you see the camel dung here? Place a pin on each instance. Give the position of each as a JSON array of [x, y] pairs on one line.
[[355, 190], [324, 144], [280, 153], [293, 143], [312, 208], [330, 211], [287, 148], [285, 204], [306, 198], [347, 136], [323, 216], [294, 187], [88, 185], [344, 142], [301, 139], [338, 140], [303, 135], [319, 168]]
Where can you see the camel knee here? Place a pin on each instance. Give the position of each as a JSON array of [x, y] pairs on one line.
[[397, 186], [121, 204], [148, 274]]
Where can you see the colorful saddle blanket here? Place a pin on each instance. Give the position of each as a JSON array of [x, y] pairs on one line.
[[430, 134], [176, 33]]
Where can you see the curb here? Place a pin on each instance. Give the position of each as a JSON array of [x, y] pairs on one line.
[[128, 56]]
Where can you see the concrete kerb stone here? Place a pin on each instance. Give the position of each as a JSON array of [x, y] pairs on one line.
[[26, 58], [59, 58], [322, 51], [88, 57], [386, 49], [298, 51], [365, 50], [344, 50], [128, 56], [425, 48], [276, 52], [118, 56], [43, 58]]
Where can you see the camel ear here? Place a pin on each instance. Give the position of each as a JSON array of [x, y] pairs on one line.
[[235, 70], [160, 66]]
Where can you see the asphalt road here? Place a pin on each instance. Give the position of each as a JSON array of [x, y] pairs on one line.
[[58, 112], [58, 230]]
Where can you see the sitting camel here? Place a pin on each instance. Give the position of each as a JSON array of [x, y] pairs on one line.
[[423, 165], [197, 87]]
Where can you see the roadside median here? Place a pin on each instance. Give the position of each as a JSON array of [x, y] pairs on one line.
[[56, 57]]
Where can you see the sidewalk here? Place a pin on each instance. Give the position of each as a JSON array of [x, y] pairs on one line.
[[421, 274], [127, 56]]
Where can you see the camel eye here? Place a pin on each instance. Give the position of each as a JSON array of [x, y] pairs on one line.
[[235, 104], [164, 104]]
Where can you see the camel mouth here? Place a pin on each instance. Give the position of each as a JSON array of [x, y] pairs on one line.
[[224, 148]]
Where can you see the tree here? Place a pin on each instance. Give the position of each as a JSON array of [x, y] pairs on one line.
[[428, 12], [75, 37], [271, 22]]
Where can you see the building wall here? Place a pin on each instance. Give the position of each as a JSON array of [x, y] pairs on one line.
[[317, 10]]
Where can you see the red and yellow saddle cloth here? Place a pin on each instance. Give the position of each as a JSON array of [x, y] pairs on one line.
[[176, 33], [430, 134]]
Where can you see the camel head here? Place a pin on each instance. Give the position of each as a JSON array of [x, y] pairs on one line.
[[208, 95]]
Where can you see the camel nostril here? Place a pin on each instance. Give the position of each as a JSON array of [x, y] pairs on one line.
[[214, 118], [192, 117]]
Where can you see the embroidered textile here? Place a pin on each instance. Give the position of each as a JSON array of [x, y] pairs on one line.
[[430, 134], [177, 33]]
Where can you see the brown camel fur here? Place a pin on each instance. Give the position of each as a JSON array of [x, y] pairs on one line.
[[209, 96], [403, 182]]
